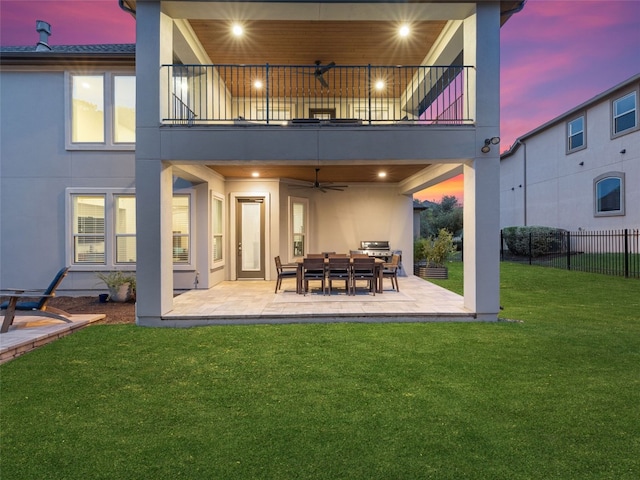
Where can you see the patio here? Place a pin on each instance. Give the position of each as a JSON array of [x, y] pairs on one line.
[[30, 332], [253, 302]]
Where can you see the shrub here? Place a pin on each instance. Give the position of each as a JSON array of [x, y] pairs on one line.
[[419, 253], [534, 241], [435, 251]]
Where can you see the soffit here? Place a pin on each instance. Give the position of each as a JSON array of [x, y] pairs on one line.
[[285, 42], [327, 173]]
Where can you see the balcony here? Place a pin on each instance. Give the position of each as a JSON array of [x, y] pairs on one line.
[[316, 95]]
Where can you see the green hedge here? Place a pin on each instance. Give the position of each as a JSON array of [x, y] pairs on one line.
[[534, 241]]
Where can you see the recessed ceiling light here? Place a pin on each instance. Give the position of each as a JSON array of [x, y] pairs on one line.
[[379, 85], [404, 31], [255, 174], [257, 84], [382, 174], [237, 30]]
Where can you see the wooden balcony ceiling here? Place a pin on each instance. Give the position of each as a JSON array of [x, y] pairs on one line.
[[327, 173], [347, 43]]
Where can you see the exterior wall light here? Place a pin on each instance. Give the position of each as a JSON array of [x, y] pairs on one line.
[[486, 148]]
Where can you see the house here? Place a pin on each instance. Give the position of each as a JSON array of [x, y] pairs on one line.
[[261, 129], [579, 171]]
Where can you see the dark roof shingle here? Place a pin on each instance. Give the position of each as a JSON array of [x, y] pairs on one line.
[[115, 48]]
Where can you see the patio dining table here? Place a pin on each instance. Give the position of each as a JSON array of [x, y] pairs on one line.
[[379, 264]]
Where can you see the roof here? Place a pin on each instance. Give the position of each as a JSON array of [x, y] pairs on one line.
[[122, 54], [117, 48], [570, 113]]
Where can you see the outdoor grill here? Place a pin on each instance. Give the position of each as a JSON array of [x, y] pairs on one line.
[[380, 249]]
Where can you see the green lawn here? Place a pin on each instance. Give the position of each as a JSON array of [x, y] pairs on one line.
[[554, 395]]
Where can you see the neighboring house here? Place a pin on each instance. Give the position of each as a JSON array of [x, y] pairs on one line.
[[581, 170], [219, 174]]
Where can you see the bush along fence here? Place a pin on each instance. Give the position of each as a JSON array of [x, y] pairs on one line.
[[611, 252]]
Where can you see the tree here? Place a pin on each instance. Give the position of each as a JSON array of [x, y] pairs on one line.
[[447, 214]]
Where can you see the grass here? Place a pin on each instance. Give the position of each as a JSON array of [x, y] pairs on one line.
[[604, 263], [555, 395]]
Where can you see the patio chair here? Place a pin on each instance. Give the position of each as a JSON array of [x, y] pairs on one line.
[[287, 271], [313, 270], [390, 270], [364, 269], [38, 307], [339, 268]]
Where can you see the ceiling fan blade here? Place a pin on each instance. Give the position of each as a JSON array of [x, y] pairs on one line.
[[326, 68], [322, 81]]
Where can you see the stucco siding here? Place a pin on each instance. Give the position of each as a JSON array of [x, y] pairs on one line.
[[35, 171], [558, 187]]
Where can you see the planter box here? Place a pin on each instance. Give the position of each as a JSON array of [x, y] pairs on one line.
[[423, 271]]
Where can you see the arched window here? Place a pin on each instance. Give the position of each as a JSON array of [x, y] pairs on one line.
[[609, 194]]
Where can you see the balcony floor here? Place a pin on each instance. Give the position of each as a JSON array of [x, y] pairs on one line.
[[254, 302]]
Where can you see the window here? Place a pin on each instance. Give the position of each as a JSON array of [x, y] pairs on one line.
[[575, 134], [125, 231], [124, 109], [298, 226], [88, 229], [625, 114], [609, 194], [103, 228], [181, 228], [217, 225], [87, 117], [102, 112]]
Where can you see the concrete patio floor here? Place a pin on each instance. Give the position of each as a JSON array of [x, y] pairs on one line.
[[254, 302]]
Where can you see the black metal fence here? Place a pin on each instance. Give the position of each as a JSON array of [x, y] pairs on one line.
[[612, 252]]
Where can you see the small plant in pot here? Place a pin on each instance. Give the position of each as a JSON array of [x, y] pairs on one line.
[[121, 285]]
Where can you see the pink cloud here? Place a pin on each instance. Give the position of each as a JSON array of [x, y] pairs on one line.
[[72, 22]]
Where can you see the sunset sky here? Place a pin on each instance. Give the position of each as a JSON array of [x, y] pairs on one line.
[[555, 54]]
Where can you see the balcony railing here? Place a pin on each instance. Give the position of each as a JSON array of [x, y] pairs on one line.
[[297, 94]]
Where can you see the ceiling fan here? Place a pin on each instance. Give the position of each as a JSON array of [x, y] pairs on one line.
[[322, 186], [321, 70]]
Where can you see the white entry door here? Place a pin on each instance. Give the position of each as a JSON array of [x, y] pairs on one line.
[[250, 237]]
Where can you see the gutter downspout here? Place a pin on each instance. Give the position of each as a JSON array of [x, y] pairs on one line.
[[524, 181], [126, 8]]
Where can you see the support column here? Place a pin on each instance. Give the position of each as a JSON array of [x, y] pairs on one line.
[[482, 174], [154, 269], [482, 237]]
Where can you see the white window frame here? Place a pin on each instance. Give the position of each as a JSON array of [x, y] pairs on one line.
[[190, 263], [635, 127], [612, 213], [117, 235], [221, 232], [571, 134], [109, 116], [110, 262], [305, 245]]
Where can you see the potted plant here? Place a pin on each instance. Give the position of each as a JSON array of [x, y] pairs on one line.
[[121, 285], [437, 252]]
